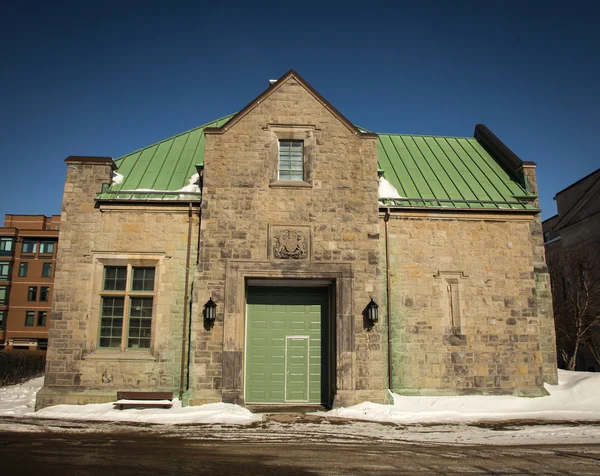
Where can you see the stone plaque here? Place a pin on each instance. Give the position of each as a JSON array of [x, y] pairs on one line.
[[290, 243]]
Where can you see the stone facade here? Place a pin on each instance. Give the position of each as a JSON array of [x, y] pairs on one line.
[[92, 237], [483, 337], [334, 209], [469, 302]]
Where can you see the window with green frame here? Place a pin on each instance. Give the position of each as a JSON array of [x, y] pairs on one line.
[[3, 295], [4, 270], [126, 307], [29, 318], [291, 160], [6, 246]]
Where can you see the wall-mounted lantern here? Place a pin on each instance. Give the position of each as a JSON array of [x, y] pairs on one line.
[[372, 311], [210, 310]]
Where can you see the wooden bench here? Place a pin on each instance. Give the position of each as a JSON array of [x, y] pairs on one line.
[[144, 400]]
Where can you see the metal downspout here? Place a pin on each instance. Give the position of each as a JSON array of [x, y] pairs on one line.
[[185, 302], [388, 296]]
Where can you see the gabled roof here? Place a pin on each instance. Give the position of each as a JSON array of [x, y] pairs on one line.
[[160, 171], [274, 86], [453, 172], [426, 171]]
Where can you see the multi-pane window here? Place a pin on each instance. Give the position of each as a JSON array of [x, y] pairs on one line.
[[41, 321], [4, 270], [291, 160], [29, 318], [2, 319], [115, 278], [6, 246], [47, 247], [23, 267], [29, 246], [3, 295], [46, 270], [44, 293], [126, 307], [32, 293]]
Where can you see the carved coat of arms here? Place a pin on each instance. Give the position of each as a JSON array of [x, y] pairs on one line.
[[290, 244]]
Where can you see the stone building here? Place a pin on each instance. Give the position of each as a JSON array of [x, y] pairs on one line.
[[572, 242], [336, 262]]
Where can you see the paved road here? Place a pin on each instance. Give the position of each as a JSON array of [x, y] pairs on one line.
[[139, 453]]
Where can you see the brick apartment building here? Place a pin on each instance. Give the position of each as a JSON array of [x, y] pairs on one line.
[[28, 246]]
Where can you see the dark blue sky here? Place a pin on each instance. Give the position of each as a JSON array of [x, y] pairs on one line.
[[107, 78]]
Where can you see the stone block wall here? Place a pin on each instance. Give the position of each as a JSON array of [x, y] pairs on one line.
[[335, 207], [465, 311], [91, 237]]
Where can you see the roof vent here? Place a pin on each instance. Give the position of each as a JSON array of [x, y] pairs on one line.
[[272, 82]]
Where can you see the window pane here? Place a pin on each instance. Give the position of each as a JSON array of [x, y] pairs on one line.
[[47, 247], [2, 319], [46, 270], [3, 295], [111, 321], [6, 246], [42, 318], [143, 279], [140, 323], [29, 246], [291, 160], [115, 278], [4, 270], [32, 293], [44, 293], [29, 317], [23, 269]]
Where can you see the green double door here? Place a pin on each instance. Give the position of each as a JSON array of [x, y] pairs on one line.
[[286, 345]]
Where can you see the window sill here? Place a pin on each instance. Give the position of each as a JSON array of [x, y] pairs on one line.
[[133, 355], [290, 184]]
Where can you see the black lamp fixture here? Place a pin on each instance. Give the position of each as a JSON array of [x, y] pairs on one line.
[[373, 311], [210, 310]]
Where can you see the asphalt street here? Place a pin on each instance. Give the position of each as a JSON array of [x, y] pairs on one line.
[[196, 452]]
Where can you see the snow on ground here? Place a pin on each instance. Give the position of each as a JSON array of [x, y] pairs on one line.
[[576, 397], [452, 420]]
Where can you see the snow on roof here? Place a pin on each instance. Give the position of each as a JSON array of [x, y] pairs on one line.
[[387, 190]]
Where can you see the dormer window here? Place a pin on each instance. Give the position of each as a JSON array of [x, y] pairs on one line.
[[291, 160]]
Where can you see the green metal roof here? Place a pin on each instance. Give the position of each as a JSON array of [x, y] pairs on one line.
[[426, 171], [159, 171], [449, 172]]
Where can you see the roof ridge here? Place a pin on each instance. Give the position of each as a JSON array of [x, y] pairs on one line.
[[421, 135], [176, 135]]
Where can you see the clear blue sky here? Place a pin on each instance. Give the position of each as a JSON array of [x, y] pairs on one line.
[[106, 78]]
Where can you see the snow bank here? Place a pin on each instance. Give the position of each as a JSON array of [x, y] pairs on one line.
[[17, 400], [211, 413], [574, 398]]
